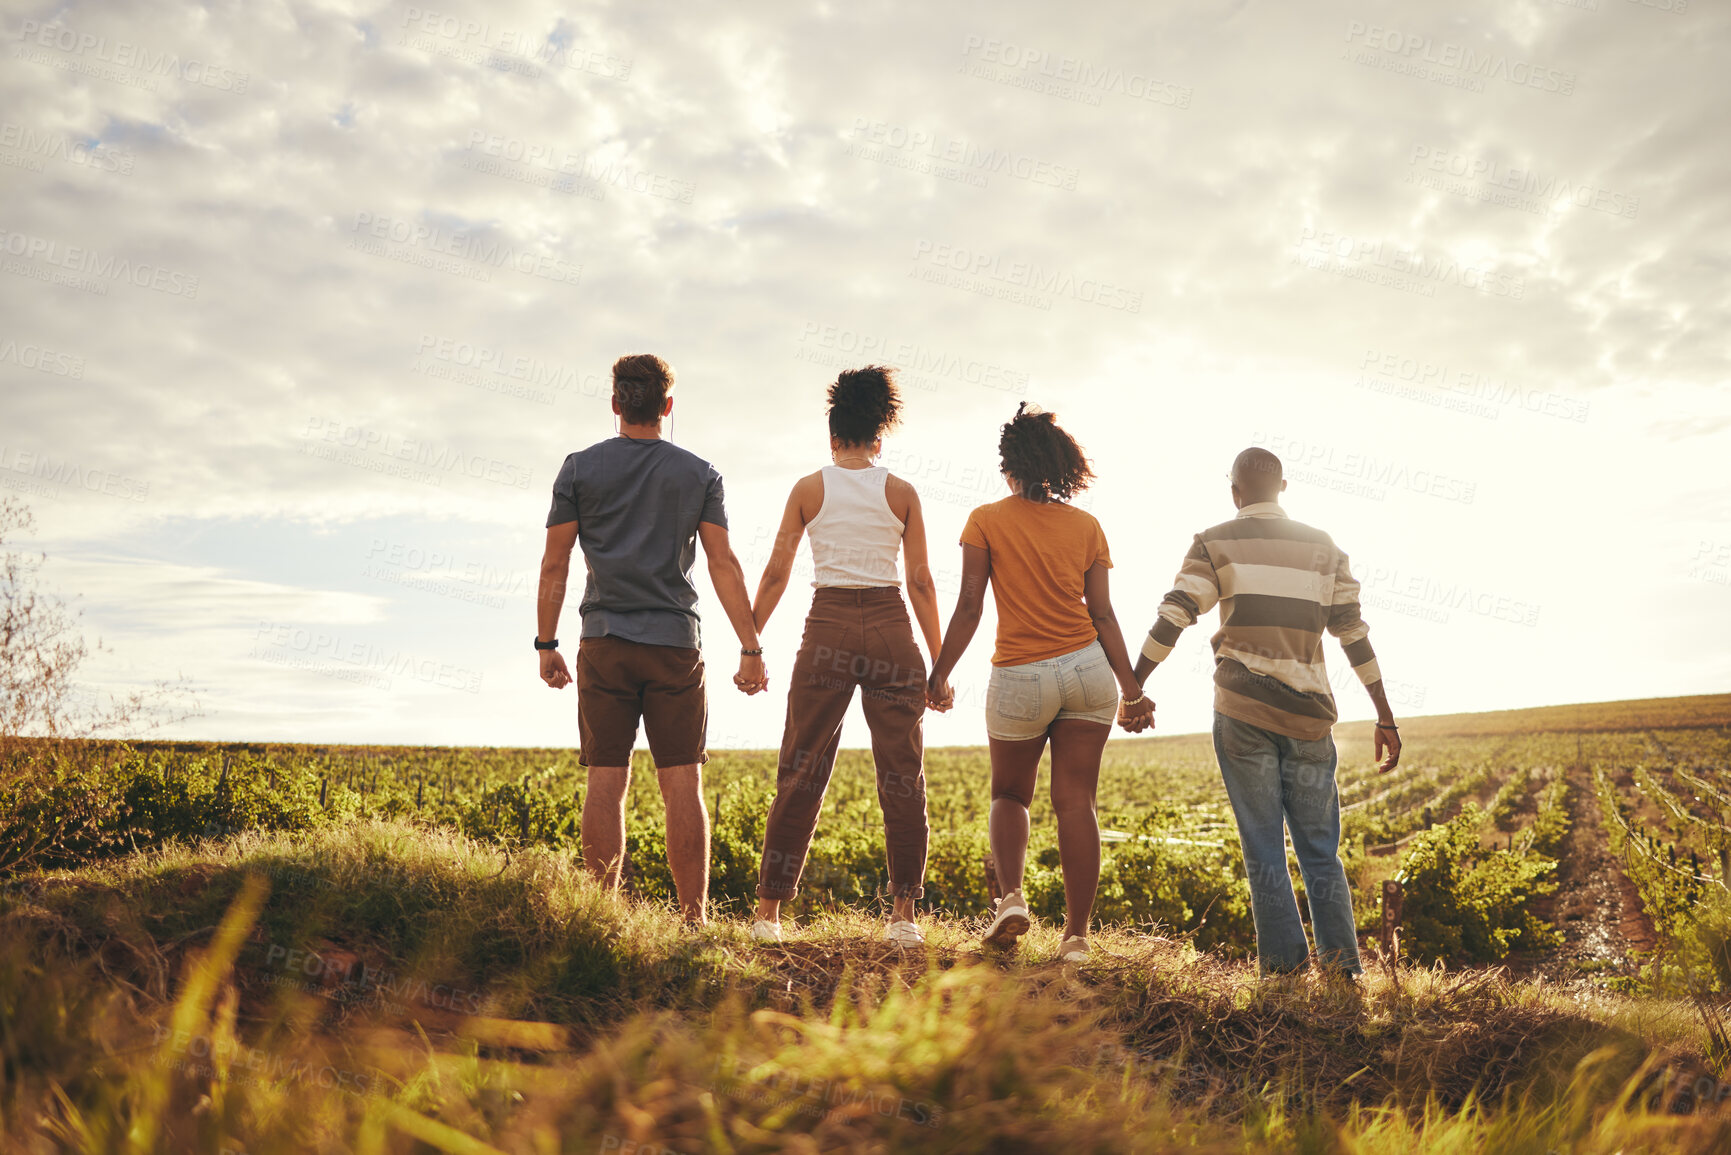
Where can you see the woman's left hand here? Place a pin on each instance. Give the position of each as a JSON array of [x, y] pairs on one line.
[[1138, 715]]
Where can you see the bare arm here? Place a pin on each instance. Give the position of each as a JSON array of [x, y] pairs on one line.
[[1137, 712], [922, 589], [798, 514], [550, 599], [970, 604], [729, 579]]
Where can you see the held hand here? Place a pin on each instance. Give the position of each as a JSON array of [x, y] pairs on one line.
[[753, 676], [1136, 716], [553, 670], [939, 696], [1387, 749]]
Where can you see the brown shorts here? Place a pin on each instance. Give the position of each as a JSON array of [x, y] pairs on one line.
[[620, 681]]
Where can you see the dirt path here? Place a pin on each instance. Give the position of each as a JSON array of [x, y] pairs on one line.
[[1597, 908]]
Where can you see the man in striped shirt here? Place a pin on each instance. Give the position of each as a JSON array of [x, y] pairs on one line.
[[1279, 584]]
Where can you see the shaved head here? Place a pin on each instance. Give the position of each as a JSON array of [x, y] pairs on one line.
[[1256, 475]]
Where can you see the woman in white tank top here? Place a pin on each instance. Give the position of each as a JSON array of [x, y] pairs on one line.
[[861, 518]]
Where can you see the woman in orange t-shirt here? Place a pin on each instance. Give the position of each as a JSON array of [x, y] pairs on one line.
[[1057, 669]]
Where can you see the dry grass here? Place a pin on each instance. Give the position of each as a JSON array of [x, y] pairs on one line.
[[598, 1022]]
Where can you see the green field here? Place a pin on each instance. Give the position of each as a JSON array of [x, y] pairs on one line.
[[419, 928]]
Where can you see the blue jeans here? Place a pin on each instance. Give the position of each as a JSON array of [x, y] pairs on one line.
[[1276, 784]]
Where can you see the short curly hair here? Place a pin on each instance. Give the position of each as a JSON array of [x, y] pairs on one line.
[[1046, 460], [864, 404]]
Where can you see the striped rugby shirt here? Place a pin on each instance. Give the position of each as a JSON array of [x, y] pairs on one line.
[[1279, 584]]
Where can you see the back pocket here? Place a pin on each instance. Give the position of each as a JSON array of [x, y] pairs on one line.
[[1013, 695], [1099, 687]]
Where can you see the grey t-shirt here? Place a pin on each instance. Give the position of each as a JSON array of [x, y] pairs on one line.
[[637, 503]]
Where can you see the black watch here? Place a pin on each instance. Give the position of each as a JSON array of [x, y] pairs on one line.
[[552, 645]]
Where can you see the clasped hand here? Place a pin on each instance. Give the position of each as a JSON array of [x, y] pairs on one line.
[[753, 676], [1136, 716]]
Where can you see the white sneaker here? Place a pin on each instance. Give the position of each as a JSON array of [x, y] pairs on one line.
[[904, 933], [1012, 921], [765, 931], [1074, 949]]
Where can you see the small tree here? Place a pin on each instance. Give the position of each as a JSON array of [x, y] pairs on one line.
[[42, 650]]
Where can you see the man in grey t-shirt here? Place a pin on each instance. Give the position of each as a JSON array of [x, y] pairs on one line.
[[638, 505]]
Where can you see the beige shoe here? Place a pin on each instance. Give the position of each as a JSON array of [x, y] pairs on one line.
[[1011, 923], [904, 933], [1074, 949], [765, 931]]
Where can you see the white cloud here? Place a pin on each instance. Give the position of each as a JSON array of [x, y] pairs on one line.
[[746, 190]]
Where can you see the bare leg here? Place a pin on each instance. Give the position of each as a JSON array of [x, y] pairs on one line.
[[687, 837], [769, 909], [1076, 749], [902, 908], [1015, 768], [604, 823]]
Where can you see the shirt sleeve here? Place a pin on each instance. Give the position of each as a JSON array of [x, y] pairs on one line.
[[974, 532], [1345, 623], [1194, 592], [564, 494], [714, 508], [1102, 555]]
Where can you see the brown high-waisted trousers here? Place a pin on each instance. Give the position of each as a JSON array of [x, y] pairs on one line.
[[853, 637]]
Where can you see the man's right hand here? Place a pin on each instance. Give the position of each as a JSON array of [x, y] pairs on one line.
[[553, 670]]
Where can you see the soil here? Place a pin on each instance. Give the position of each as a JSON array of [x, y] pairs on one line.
[[1605, 931]]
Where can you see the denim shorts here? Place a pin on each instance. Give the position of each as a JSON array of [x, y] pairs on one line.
[[1021, 701]]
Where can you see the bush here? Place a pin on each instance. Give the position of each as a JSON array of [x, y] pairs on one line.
[[1470, 904]]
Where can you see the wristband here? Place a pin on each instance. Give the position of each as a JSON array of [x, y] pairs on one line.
[[552, 645], [1136, 701], [745, 653], [1388, 726]]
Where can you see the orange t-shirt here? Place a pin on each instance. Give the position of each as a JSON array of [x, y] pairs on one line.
[[1040, 552]]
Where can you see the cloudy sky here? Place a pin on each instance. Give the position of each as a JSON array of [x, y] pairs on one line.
[[304, 304]]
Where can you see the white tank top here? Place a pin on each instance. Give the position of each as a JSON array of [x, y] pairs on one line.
[[855, 536]]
